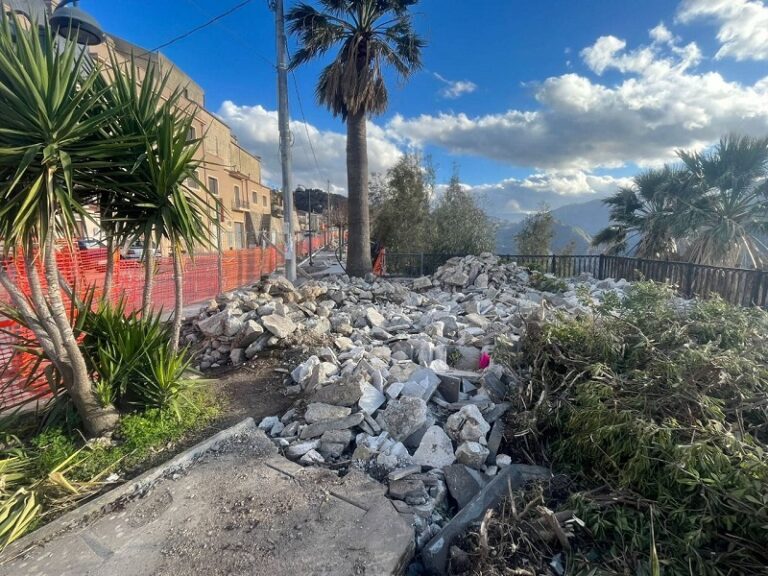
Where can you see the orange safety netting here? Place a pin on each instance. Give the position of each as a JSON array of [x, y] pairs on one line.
[[205, 276]]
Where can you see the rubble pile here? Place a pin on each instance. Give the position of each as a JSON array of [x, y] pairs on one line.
[[400, 379]]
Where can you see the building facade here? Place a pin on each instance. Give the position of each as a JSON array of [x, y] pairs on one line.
[[228, 171]]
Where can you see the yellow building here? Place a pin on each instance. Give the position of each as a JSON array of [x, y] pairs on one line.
[[229, 171]]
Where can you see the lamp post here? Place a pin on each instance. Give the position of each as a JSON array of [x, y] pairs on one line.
[[71, 22]]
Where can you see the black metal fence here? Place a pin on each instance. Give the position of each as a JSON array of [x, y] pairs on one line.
[[741, 286]]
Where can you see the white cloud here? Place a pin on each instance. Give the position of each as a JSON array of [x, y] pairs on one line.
[[661, 34], [513, 198], [658, 104], [743, 25], [455, 88], [257, 130]]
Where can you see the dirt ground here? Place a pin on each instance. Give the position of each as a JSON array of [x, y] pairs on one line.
[[254, 389]]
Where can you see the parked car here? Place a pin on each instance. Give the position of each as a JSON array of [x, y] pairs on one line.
[[136, 251], [90, 244]]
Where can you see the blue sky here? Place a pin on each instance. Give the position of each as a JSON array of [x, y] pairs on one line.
[[553, 100]]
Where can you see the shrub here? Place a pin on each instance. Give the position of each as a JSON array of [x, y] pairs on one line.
[[130, 356], [658, 411]]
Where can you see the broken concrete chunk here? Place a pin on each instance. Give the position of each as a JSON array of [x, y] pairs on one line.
[[404, 416], [463, 483], [370, 399], [334, 443], [312, 457], [298, 449], [503, 460], [320, 428], [280, 326], [250, 333], [496, 389], [472, 454], [374, 318], [477, 320], [303, 372], [494, 440], [467, 424], [317, 412], [410, 491], [396, 456], [435, 449], [422, 283], [339, 393], [267, 423]]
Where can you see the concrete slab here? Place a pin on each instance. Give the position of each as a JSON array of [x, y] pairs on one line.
[[239, 509]]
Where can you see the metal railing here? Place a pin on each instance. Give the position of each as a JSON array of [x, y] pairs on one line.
[[740, 286]]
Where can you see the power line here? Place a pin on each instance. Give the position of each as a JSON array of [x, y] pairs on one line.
[[304, 118], [201, 26], [235, 35]]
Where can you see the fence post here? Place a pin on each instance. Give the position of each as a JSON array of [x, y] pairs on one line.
[[601, 267], [554, 264], [689, 280], [421, 266], [757, 284]]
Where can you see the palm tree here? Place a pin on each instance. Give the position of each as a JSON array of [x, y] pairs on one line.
[[54, 130], [726, 215], [644, 215], [369, 34]]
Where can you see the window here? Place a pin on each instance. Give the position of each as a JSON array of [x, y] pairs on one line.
[[264, 200], [213, 185], [255, 196], [192, 134], [237, 196], [239, 235], [194, 183]]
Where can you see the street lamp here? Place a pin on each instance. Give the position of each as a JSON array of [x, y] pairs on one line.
[[71, 22]]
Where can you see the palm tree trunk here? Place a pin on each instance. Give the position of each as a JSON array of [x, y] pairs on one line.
[[109, 271], [96, 418], [359, 245], [149, 276], [178, 278]]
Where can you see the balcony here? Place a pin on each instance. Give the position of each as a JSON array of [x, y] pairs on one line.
[[241, 205]]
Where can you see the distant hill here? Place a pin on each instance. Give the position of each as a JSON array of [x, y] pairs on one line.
[[319, 200], [590, 216], [564, 235]]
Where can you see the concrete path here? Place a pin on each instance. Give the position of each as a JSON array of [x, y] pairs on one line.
[[240, 509]]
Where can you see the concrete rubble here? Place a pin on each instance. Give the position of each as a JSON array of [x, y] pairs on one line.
[[389, 378]]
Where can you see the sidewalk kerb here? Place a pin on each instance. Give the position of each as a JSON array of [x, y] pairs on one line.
[[136, 487]]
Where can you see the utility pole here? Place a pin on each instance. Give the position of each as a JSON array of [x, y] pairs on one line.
[[285, 139], [309, 193], [328, 234]]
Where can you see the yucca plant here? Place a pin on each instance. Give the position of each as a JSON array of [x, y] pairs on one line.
[[174, 210], [54, 131], [166, 383]]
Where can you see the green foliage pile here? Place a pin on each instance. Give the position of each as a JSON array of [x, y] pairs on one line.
[[547, 282], [660, 413]]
